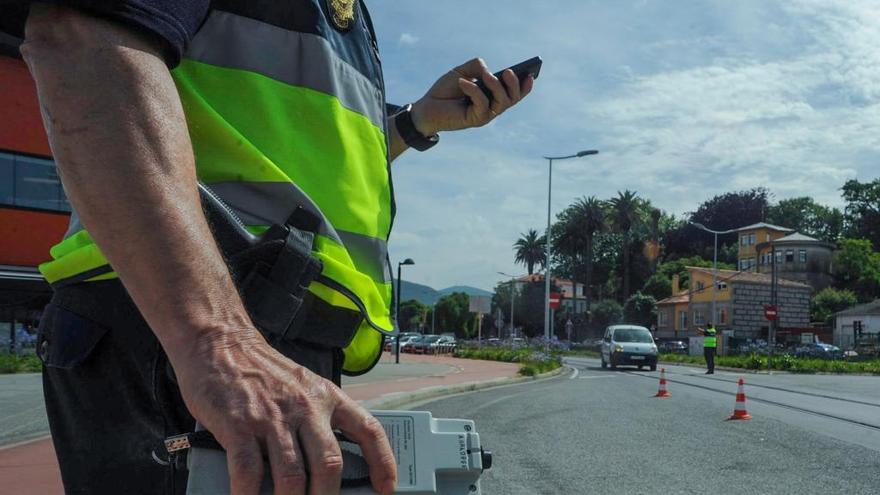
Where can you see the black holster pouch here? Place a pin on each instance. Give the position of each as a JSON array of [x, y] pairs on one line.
[[272, 272]]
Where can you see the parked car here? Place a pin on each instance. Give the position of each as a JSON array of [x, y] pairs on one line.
[[423, 345], [674, 346], [409, 345], [819, 350], [629, 345], [446, 344], [403, 336]]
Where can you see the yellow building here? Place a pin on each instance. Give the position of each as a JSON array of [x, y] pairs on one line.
[[749, 239]]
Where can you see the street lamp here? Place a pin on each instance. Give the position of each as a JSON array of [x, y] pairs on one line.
[[407, 261], [716, 233], [547, 240], [512, 287]]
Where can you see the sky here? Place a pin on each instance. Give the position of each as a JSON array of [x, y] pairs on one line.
[[684, 99]]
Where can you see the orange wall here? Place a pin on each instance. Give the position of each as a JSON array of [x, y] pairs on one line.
[[21, 127], [28, 235]]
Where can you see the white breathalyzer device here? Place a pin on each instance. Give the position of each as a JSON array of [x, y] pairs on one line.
[[434, 456]]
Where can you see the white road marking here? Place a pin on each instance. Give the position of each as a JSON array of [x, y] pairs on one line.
[[596, 376], [575, 374]]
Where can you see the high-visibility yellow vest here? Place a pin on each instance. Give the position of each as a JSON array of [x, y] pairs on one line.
[[286, 111], [710, 340]]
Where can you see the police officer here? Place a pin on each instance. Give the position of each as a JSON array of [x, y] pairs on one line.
[[710, 345], [276, 105]]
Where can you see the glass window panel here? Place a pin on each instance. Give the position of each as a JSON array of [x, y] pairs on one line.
[[7, 179]]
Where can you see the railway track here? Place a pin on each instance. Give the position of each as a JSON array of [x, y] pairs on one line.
[[714, 384]]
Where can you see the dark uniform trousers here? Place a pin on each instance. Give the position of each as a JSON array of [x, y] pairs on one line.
[[709, 354], [111, 395]]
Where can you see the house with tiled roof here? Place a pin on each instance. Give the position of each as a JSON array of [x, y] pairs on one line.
[[857, 323], [739, 297]]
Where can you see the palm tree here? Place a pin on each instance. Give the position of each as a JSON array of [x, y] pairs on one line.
[[580, 223], [531, 250], [625, 214]]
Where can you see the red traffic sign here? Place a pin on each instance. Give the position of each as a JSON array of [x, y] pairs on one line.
[[770, 312], [555, 300]]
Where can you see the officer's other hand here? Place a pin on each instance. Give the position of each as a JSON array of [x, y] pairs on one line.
[[255, 402], [456, 102]]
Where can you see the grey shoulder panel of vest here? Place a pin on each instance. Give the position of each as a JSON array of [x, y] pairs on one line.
[[356, 45]]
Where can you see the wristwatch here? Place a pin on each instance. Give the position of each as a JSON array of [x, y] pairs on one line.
[[407, 130]]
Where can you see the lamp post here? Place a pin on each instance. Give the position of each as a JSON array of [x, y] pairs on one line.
[[407, 261], [547, 241], [715, 233], [512, 288]]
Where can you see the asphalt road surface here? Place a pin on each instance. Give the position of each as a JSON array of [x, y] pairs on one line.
[[597, 431]]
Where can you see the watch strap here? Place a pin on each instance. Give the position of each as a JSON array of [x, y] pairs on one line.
[[407, 130]]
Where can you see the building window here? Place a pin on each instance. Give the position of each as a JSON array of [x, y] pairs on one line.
[[722, 285], [766, 237], [751, 239], [701, 286], [698, 318], [682, 320], [722, 317], [778, 257], [30, 182], [802, 255], [789, 256], [662, 318], [744, 240]]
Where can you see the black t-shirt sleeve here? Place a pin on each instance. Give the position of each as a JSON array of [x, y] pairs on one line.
[[172, 22]]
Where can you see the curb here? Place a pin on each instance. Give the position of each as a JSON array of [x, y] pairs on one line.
[[400, 399]]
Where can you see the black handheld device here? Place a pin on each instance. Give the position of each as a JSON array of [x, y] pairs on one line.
[[530, 67]]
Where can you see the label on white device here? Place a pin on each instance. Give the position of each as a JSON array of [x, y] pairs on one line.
[[401, 435]]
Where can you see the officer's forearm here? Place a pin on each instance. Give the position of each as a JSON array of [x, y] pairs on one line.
[[119, 138], [398, 146]]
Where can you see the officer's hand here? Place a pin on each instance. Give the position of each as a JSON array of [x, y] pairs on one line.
[[456, 102], [255, 402]]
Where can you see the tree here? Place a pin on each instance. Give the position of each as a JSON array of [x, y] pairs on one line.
[[807, 217], [828, 301], [453, 314], [723, 212], [858, 268], [607, 312], [640, 309], [531, 250], [863, 210], [577, 227], [625, 215], [658, 286], [412, 315]]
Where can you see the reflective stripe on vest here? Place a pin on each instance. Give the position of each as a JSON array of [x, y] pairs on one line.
[[710, 340], [278, 120]]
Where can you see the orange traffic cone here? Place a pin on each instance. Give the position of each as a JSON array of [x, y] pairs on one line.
[[663, 392], [739, 410]]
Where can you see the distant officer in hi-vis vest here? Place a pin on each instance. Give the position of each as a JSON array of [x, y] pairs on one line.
[[710, 345], [279, 109]]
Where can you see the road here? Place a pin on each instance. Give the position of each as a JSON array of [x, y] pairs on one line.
[[597, 431], [22, 413]]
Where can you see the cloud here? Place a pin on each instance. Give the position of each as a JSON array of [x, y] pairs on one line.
[[408, 39], [684, 100]]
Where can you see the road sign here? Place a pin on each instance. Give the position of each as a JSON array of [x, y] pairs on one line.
[[770, 312], [480, 304], [555, 300]]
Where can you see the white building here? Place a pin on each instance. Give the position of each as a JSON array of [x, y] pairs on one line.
[[848, 322]]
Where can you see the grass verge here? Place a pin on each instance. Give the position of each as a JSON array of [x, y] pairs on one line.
[[784, 362], [12, 363], [531, 362]]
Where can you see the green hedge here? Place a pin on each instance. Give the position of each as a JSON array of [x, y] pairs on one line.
[[531, 362], [12, 363], [783, 362]]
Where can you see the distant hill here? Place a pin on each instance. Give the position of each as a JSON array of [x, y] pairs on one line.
[[471, 291], [419, 292], [429, 295]]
